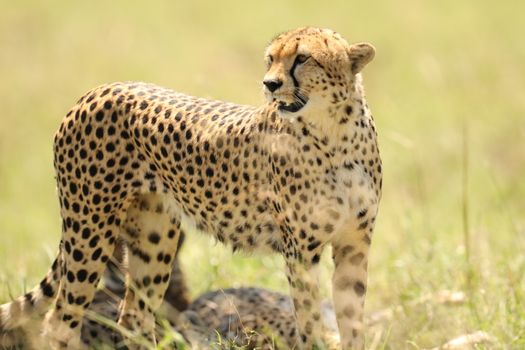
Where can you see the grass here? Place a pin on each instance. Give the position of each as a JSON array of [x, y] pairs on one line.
[[441, 68]]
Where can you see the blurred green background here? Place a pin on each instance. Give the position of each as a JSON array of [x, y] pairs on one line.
[[447, 89]]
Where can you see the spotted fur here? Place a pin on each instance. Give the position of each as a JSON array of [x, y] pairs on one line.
[[133, 161]]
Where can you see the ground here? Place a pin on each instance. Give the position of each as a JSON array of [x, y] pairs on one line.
[[446, 74]]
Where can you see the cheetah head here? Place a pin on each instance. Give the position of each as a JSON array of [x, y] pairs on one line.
[[312, 71]]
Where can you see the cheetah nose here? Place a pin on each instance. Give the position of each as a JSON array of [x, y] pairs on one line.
[[273, 84]]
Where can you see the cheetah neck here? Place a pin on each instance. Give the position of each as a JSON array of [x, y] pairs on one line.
[[342, 132]]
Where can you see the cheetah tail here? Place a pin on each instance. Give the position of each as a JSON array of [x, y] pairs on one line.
[[32, 304]]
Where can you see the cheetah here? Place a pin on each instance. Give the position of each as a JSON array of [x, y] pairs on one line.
[[251, 318], [246, 317], [300, 172]]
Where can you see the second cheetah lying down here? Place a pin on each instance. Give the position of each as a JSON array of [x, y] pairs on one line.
[[245, 317]]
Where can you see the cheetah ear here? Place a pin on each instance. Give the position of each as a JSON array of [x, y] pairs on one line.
[[360, 54]]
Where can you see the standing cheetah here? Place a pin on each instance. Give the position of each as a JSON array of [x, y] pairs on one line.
[[133, 161]]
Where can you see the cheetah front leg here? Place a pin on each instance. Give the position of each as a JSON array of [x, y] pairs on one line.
[[152, 230], [304, 291], [350, 255]]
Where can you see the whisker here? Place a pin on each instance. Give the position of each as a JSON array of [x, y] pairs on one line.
[[303, 99]]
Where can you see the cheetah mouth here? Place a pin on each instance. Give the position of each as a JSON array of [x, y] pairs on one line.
[[294, 106], [290, 107]]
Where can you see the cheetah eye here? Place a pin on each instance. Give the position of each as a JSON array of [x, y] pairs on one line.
[[300, 59], [269, 60]]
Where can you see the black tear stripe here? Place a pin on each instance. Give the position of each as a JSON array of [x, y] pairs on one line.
[[295, 106], [292, 73]]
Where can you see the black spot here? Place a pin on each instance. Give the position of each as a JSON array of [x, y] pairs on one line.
[[115, 188], [154, 238], [86, 232], [70, 277], [302, 234], [99, 116], [73, 188], [76, 209], [94, 241], [99, 132], [123, 161], [96, 254], [146, 281], [47, 290], [80, 300], [81, 275], [313, 245], [77, 255], [93, 277], [361, 213], [76, 225], [359, 288], [29, 298], [70, 298], [363, 225], [96, 199], [95, 218]]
